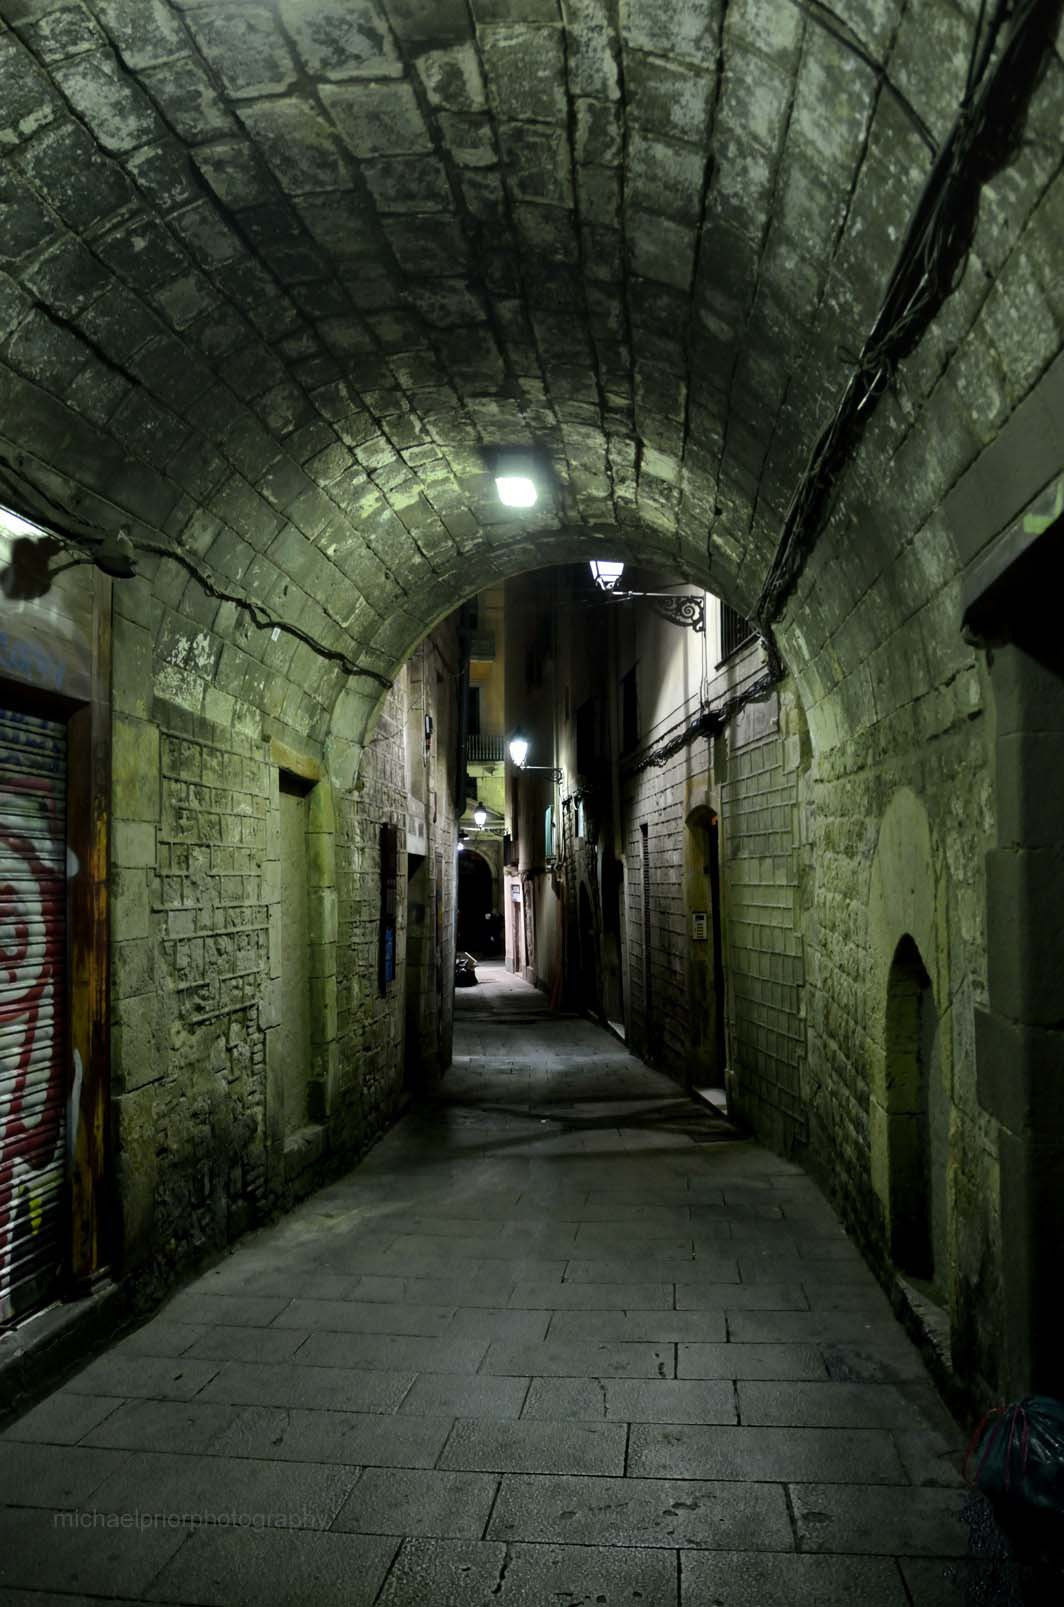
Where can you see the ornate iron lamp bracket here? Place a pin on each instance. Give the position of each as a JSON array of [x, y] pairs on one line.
[[688, 610]]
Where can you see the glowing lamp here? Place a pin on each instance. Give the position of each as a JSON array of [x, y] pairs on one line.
[[516, 490], [606, 573]]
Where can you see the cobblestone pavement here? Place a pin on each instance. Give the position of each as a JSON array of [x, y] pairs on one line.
[[561, 1338]]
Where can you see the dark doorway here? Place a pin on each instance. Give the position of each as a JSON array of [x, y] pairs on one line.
[[706, 1037], [590, 999], [294, 1030], [419, 992], [475, 930], [912, 1025], [712, 832]]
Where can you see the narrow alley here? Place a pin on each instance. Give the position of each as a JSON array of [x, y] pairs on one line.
[[563, 1337]]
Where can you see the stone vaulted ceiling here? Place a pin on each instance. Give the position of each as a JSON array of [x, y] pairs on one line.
[[276, 272]]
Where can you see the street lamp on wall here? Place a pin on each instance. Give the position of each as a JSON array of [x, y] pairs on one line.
[[519, 746], [689, 609], [606, 573], [480, 817]]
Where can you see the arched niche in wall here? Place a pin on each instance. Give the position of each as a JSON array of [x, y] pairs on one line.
[[911, 1062]]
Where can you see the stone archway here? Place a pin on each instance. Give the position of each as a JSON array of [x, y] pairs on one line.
[[475, 902]]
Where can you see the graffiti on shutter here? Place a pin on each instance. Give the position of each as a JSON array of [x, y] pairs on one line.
[[33, 1083]]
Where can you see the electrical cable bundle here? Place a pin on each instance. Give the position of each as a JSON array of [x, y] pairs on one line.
[[984, 138]]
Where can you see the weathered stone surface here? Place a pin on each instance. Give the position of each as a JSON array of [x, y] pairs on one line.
[[648, 240], [377, 119]]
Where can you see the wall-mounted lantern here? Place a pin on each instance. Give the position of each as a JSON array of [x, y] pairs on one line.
[[689, 609], [519, 746]]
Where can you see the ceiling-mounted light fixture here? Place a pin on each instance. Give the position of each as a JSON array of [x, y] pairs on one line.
[[606, 573], [515, 478], [516, 490]]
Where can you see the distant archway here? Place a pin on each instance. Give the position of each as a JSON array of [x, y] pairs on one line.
[[474, 902]]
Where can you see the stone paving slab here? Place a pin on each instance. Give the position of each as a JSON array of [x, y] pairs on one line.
[[365, 1317], [286, 1569], [711, 1296], [643, 1267], [223, 1344], [151, 1376], [541, 1346], [63, 1419], [305, 1496], [778, 1269], [496, 1575], [749, 1361], [511, 1323], [60, 1476], [246, 1311], [874, 1360], [593, 1296], [803, 1327], [643, 1512], [391, 1351], [627, 1325], [632, 1400], [38, 1550], [840, 1518], [749, 1579], [354, 1438], [144, 1425], [828, 1455], [405, 1501], [530, 1446], [831, 1405], [332, 1388], [576, 1358], [162, 1338], [459, 1395]]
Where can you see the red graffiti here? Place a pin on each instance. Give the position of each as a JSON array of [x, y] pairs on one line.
[[31, 962]]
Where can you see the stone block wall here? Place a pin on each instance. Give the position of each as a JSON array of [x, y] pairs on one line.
[[202, 1150], [753, 778], [190, 930], [763, 892]]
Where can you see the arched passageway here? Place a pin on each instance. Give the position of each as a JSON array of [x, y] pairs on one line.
[[279, 284], [476, 904]]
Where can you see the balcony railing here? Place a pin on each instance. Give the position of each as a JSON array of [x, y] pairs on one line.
[[484, 750]]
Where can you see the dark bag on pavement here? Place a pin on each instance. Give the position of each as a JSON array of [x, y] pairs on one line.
[[1016, 1457]]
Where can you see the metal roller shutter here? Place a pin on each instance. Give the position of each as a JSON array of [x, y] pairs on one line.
[[33, 1081]]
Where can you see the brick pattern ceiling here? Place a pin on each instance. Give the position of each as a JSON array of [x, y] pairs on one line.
[[303, 260]]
